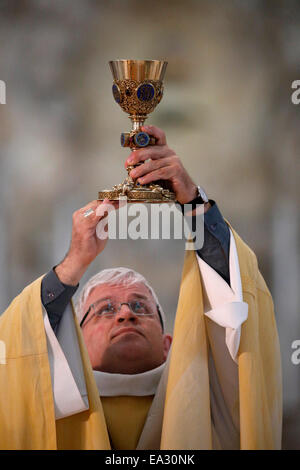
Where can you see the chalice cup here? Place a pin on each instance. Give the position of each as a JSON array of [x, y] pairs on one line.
[[138, 88]]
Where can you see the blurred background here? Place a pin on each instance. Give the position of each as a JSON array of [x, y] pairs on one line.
[[227, 111]]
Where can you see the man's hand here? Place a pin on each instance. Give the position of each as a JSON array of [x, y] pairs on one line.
[[85, 245], [162, 164]]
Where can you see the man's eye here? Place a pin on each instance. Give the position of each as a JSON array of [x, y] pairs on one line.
[[108, 308], [138, 307]]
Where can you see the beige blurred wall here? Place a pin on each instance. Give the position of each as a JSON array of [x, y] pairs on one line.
[[227, 112]]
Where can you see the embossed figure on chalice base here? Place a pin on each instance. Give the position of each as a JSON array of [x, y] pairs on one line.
[[138, 89]]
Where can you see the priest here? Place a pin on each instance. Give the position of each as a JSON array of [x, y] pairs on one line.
[[110, 377]]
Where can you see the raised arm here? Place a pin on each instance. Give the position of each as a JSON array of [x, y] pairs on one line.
[[61, 282]]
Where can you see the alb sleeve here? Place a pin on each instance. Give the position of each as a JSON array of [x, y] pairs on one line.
[[215, 250], [55, 297]]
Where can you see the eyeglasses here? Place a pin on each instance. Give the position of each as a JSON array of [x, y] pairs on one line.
[[108, 308]]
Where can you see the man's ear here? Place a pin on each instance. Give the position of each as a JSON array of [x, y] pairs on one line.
[[167, 340]]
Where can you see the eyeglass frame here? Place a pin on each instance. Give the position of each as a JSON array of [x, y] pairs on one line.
[[120, 305]]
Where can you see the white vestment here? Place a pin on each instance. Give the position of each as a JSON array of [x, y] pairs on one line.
[[225, 312]]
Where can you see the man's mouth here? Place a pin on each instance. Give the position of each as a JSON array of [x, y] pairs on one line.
[[126, 330]]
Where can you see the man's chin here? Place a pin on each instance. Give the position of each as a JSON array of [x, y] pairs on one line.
[[128, 355], [129, 346]]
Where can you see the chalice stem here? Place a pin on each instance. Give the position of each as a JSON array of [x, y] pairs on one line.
[[137, 122]]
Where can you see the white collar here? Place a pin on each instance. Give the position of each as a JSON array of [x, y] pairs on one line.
[[113, 385]]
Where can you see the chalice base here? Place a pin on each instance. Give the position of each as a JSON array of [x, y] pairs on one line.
[[152, 193]]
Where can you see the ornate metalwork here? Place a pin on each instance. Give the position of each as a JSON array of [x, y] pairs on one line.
[[135, 98]]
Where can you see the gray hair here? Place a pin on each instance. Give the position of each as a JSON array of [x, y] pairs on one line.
[[115, 276]]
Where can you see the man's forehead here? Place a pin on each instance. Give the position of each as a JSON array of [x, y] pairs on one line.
[[120, 291]]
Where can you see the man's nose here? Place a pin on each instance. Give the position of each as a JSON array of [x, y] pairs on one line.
[[125, 314]]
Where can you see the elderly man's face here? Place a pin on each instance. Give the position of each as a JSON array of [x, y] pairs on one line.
[[125, 343]]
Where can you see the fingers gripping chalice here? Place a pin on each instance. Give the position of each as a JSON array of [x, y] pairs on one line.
[[138, 89]]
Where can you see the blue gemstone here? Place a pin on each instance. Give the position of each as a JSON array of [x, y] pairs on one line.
[[116, 93], [142, 139], [145, 92]]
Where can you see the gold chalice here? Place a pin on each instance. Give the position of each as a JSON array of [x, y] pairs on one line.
[[138, 89]]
